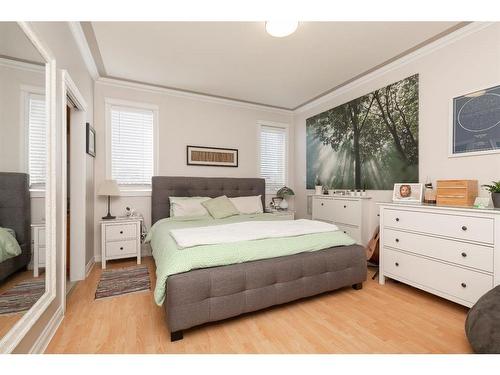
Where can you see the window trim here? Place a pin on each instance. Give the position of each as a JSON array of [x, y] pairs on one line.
[[110, 102], [24, 163], [286, 128]]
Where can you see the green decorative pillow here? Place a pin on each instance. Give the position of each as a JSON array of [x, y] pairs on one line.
[[220, 207]]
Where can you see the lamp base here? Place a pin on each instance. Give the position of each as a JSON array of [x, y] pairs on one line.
[[108, 217]]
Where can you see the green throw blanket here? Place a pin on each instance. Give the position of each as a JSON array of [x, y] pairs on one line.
[[171, 260], [9, 247]]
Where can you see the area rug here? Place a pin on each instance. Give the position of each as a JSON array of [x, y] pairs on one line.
[[115, 282], [22, 296]]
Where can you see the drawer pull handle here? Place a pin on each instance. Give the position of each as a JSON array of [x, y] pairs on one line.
[[397, 264], [464, 255], [397, 239], [397, 219], [345, 206], [322, 204], [464, 285], [121, 232], [464, 228], [121, 248], [345, 232]]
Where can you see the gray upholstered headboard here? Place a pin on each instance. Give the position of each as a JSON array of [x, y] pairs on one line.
[[170, 186], [15, 212]]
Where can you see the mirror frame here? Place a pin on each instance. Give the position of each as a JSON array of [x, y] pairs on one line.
[[12, 338]]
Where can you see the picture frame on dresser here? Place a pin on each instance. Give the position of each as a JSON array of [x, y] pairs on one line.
[[408, 193]]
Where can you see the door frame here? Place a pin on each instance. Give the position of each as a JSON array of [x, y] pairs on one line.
[[72, 97]]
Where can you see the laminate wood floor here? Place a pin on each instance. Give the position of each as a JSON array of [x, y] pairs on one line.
[[7, 321], [393, 318]]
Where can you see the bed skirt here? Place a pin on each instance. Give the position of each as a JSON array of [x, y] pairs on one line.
[[217, 293]]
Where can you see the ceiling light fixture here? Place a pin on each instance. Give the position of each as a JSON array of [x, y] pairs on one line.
[[279, 29]]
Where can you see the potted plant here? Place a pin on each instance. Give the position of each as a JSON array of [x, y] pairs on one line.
[[283, 193], [318, 188], [494, 189]]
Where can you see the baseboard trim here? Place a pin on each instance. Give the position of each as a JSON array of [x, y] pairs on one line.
[[89, 267], [49, 331]]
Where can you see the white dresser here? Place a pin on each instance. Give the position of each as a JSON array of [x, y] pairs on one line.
[[350, 214], [448, 251]]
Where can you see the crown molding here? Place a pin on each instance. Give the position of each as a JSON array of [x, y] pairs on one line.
[[189, 95], [438, 44], [22, 65], [83, 47]]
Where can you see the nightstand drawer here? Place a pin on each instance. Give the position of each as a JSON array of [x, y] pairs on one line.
[[119, 248], [41, 256], [121, 232]]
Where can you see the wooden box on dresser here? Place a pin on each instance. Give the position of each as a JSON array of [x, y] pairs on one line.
[[452, 252], [350, 214]]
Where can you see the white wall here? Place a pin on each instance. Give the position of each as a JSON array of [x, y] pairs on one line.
[[13, 130], [59, 40], [461, 66], [185, 120]]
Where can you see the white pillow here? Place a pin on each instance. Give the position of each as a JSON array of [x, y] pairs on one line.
[[187, 206], [248, 205]]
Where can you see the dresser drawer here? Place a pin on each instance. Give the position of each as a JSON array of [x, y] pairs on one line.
[[465, 254], [41, 256], [322, 209], [346, 211], [120, 248], [351, 231], [454, 281], [457, 226], [121, 232]]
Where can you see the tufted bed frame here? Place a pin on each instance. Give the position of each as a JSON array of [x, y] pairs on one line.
[[15, 213], [212, 294]]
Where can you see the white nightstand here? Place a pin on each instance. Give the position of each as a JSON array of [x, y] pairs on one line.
[[120, 238], [38, 247], [283, 214]]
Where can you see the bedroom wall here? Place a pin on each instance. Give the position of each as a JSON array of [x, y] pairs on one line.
[[59, 40], [468, 60], [183, 120], [13, 144]]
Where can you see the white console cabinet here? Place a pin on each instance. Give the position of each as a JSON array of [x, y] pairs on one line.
[[448, 251], [350, 214]]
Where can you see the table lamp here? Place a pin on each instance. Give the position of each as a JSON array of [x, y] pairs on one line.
[[110, 189]]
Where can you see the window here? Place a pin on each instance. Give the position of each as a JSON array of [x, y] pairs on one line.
[[37, 142], [273, 156], [131, 149]]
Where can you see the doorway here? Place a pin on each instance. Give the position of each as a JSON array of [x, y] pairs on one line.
[[75, 182]]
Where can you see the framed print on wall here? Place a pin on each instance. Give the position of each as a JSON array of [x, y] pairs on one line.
[[475, 127], [90, 147], [212, 156]]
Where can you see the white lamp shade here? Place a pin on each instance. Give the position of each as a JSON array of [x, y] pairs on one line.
[[109, 187]]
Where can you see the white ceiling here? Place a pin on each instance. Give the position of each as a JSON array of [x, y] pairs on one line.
[[15, 44], [239, 60]]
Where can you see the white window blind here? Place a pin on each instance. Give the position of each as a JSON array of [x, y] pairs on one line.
[[131, 145], [37, 141], [273, 156]]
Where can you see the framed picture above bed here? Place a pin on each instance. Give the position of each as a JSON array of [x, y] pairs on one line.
[[475, 125], [212, 156]]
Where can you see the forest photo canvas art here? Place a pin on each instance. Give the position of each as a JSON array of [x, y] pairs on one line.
[[368, 143]]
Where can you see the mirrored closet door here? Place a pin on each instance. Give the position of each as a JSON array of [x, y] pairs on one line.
[[24, 261]]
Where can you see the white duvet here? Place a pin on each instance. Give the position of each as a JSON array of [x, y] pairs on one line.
[[247, 231]]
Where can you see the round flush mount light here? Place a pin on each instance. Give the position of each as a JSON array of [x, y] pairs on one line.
[[279, 29]]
